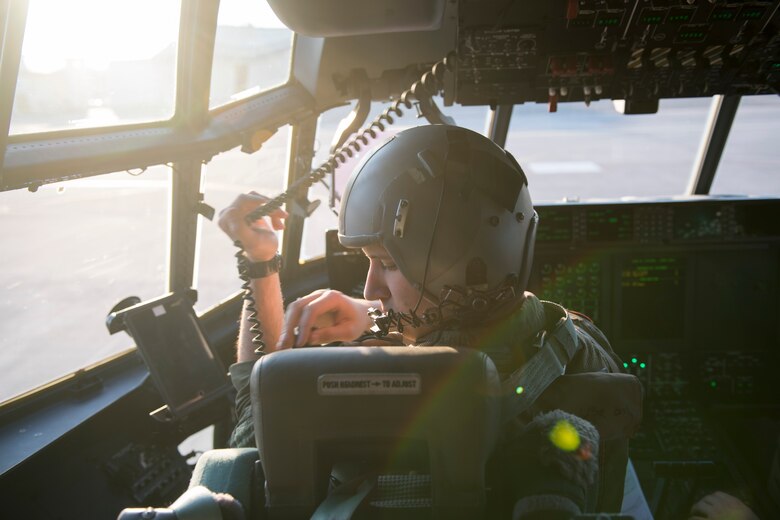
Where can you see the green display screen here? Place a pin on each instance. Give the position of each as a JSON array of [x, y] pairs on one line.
[[554, 226], [609, 225], [652, 298]]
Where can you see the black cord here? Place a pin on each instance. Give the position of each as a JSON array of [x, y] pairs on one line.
[[246, 285], [429, 84], [430, 246]]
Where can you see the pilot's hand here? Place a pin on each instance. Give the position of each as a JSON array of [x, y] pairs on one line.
[[720, 505], [258, 238], [324, 316]]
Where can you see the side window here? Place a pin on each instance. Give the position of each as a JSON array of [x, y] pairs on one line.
[[749, 162], [251, 53], [324, 218], [226, 176], [71, 251], [87, 63]]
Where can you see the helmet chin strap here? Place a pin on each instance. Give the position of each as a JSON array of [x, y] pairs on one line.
[[458, 307]]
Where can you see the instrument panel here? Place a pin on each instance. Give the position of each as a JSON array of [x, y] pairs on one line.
[[686, 291]]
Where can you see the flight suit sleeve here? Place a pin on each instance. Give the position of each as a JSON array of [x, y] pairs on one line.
[[243, 435]]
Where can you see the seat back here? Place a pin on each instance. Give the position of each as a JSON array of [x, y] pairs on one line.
[[392, 411]]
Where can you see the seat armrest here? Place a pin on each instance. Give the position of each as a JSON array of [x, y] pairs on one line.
[[231, 471]]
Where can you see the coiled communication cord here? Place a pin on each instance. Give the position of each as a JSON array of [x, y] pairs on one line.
[[429, 84]]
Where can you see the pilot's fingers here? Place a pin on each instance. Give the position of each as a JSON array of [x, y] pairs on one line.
[[722, 505], [701, 509], [232, 218], [328, 309], [339, 331], [277, 219], [257, 238], [246, 203], [254, 200], [292, 318]]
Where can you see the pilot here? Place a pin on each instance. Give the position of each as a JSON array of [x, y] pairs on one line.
[[446, 220]]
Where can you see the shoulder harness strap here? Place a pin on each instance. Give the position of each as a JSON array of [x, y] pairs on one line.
[[555, 347]]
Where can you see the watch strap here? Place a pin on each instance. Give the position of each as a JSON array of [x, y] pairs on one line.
[[265, 268]]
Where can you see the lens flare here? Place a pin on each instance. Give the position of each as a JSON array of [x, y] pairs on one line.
[[564, 436]]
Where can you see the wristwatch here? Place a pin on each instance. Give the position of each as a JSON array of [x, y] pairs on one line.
[[263, 269]]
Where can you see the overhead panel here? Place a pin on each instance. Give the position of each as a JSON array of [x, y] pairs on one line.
[[637, 50]]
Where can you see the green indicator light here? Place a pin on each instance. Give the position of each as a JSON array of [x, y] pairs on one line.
[[519, 390], [691, 35], [775, 65], [633, 360], [713, 384], [625, 365], [642, 365], [581, 22], [751, 13]]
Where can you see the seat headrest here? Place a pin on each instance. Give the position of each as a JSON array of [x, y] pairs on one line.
[[382, 406]]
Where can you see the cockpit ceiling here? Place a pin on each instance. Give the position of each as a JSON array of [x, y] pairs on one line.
[[511, 52]]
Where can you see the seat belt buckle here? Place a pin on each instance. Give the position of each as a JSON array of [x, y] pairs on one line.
[[539, 340]]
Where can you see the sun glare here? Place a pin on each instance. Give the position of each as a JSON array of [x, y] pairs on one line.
[[95, 33], [256, 13]]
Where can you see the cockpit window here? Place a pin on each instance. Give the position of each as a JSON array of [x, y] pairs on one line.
[[583, 152], [313, 245], [92, 63], [751, 157], [251, 52], [71, 251]]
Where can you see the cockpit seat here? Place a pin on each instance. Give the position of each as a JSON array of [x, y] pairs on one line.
[[383, 432], [358, 432], [416, 424]]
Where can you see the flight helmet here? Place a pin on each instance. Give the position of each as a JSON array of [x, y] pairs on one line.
[[450, 206]]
